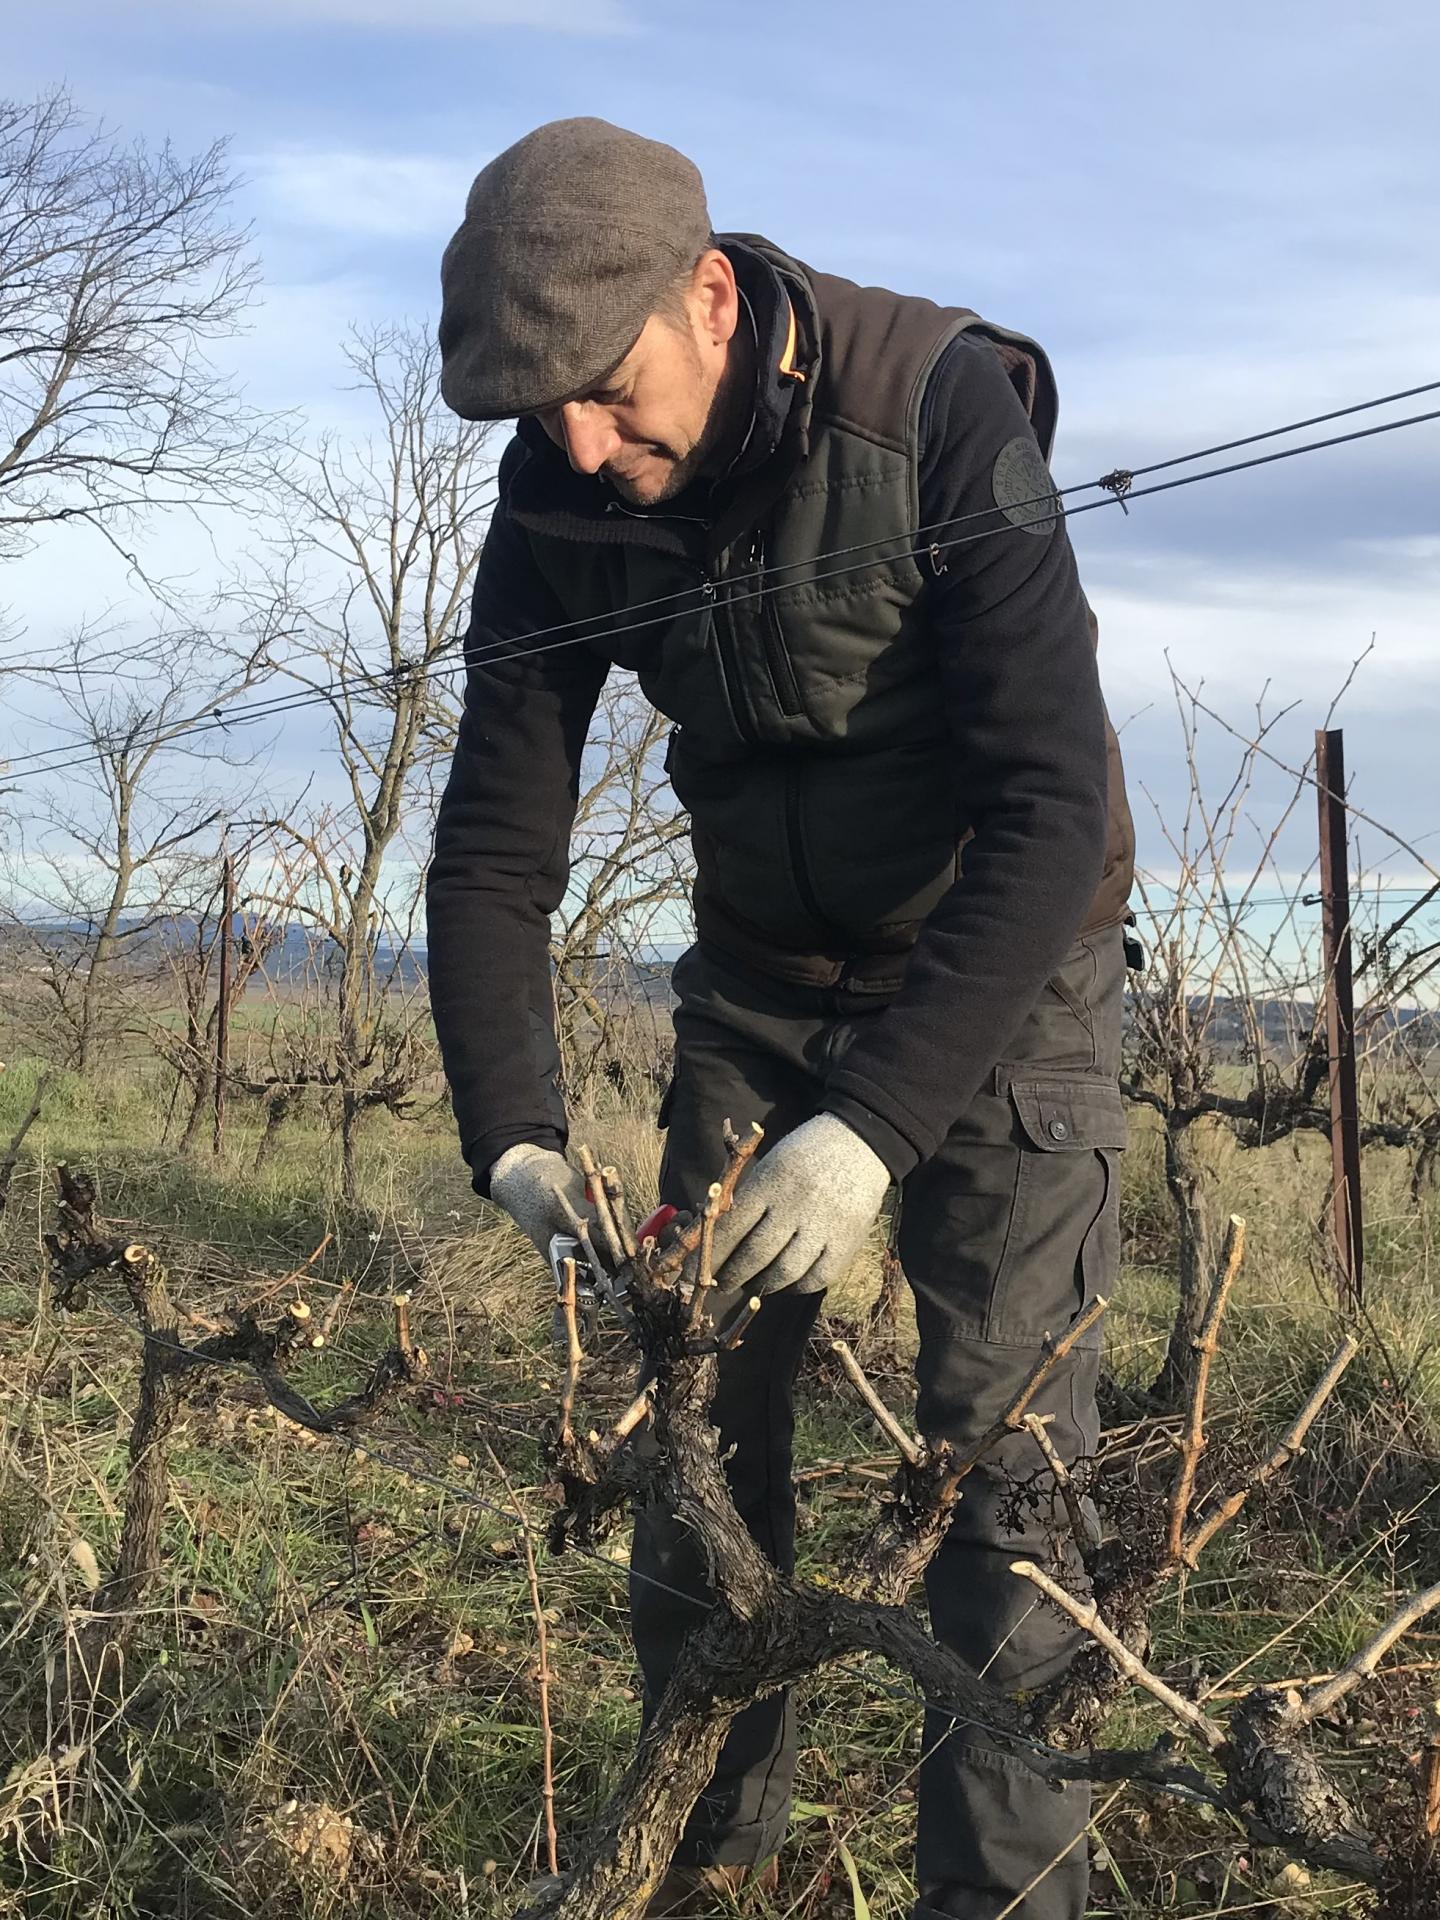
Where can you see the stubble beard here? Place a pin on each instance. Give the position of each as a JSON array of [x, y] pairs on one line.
[[710, 452]]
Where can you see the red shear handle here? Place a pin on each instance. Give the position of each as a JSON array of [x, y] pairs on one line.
[[652, 1228]]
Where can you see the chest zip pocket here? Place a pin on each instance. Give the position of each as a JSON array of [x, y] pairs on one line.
[[767, 615]]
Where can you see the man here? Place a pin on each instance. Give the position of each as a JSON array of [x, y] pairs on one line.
[[816, 521]]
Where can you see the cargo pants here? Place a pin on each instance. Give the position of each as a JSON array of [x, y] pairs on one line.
[[1004, 1236]]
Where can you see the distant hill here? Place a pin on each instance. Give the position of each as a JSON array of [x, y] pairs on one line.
[[301, 956], [298, 955]]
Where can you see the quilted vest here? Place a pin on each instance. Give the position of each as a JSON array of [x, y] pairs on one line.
[[791, 649]]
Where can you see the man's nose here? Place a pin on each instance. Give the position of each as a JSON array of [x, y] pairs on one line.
[[590, 440]]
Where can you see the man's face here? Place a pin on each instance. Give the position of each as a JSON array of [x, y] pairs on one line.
[[656, 421]]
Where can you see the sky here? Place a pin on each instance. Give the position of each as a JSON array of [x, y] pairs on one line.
[[1215, 218]]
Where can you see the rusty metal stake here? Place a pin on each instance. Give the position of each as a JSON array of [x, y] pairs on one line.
[[1346, 1219]]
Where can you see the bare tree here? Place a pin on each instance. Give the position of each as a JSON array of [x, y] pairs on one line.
[[354, 1023], [115, 856], [193, 958], [629, 882], [373, 587], [118, 267], [1226, 1022], [1200, 981]]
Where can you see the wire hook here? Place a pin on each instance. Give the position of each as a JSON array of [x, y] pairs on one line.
[[1119, 482]]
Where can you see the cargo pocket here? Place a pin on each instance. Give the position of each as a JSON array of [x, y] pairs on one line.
[[1063, 1243]]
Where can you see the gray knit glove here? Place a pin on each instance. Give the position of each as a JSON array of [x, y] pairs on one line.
[[532, 1184], [802, 1213]]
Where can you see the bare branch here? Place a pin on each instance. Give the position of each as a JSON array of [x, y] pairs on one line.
[[1013, 1418], [1193, 1440], [1086, 1615], [909, 1449], [11, 1157], [1323, 1699], [574, 1354], [1292, 1443], [118, 265], [1081, 1530]]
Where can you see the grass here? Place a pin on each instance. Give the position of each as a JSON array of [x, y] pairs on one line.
[[334, 1642]]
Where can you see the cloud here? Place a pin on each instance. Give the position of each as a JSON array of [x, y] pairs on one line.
[[373, 194], [1248, 362], [589, 18], [1237, 630], [1234, 637]]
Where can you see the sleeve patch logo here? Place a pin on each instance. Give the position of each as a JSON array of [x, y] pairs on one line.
[[1023, 489]]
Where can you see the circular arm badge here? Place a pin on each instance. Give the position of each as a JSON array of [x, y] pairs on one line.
[[1022, 486]]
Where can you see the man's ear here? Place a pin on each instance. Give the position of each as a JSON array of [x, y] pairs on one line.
[[714, 297]]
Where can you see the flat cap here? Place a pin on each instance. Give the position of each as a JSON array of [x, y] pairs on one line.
[[570, 238]]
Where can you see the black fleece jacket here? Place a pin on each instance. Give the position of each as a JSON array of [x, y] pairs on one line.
[[1012, 633]]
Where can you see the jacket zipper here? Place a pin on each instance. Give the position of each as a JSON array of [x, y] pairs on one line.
[[777, 654], [787, 695], [729, 680]]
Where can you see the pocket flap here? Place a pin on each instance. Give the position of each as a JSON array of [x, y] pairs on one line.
[[1061, 1115]]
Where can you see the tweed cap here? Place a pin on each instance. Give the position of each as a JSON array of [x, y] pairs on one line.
[[570, 238]]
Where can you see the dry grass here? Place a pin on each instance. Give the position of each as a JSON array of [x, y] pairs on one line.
[[334, 1705]]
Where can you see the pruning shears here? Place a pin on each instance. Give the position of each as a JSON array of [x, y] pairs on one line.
[[595, 1288]]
